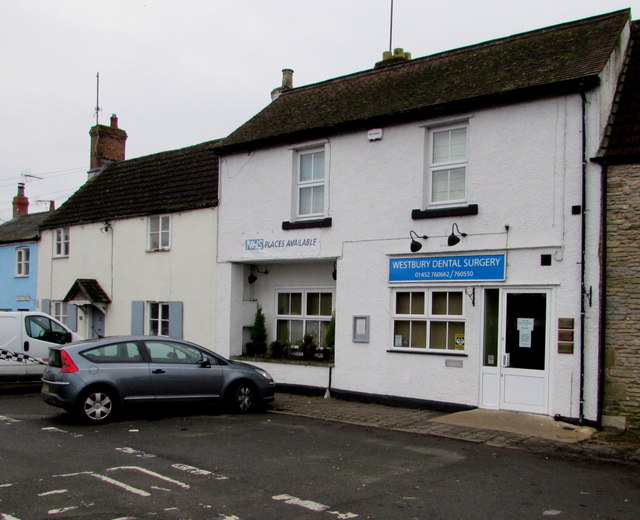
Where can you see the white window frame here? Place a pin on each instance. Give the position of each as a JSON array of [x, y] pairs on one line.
[[60, 311], [158, 322], [23, 262], [61, 242], [163, 233], [447, 165], [310, 184], [304, 315], [428, 317]]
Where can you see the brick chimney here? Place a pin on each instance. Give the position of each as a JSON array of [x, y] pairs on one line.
[[20, 202], [287, 84], [107, 145]]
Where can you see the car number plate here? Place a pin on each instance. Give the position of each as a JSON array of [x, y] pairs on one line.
[[45, 387]]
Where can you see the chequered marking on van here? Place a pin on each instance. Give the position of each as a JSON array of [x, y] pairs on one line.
[[20, 358]]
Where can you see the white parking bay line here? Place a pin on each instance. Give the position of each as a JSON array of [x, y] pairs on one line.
[[8, 420], [312, 506], [151, 474], [109, 480], [197, 471]]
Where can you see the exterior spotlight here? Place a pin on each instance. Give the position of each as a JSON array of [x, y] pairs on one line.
[[415, 245], [453, 238], [252, 277]]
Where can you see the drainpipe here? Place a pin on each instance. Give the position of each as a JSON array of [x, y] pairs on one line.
[[583, 255], [603, 294]]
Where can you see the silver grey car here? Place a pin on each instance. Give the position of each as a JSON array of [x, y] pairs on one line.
[[96, 378]]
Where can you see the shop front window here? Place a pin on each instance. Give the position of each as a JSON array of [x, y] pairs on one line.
[[430, 320]]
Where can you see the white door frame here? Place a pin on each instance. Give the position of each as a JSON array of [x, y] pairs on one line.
[[507, 388]]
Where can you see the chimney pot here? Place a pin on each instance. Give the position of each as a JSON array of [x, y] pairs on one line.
[[114, 121], [287, 78]]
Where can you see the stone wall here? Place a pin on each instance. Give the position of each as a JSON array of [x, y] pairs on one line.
[[621, 406]]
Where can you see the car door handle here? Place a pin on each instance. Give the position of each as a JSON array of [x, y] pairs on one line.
[[26, 346], [158, 371]]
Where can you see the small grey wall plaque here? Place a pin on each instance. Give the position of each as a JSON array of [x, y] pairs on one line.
[[361, 329]]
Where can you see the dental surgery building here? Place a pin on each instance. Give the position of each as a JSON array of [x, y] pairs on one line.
[[445, 209]]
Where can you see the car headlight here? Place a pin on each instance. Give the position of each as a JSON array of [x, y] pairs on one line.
[[264, 374]]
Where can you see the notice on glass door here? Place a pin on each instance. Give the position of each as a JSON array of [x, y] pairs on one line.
[[525, 327]]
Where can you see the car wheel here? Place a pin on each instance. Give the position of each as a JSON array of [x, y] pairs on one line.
[[243, 397], [98, 405]]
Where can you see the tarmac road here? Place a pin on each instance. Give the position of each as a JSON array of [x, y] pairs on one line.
[[200, 465]]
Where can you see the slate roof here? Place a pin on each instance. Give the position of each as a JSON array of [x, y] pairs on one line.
[[546, 61], [22, 228], [177, 180], [622, 141]]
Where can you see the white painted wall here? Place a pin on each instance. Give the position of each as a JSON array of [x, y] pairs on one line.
[[524, 171], [127, 272]]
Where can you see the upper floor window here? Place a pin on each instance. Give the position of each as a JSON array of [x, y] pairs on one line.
[[310, 183], [448, 165], [159, 232], [429, 320], [61, 242], [23, 255]]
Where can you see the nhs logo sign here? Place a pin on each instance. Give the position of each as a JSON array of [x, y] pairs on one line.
[[254, 244]]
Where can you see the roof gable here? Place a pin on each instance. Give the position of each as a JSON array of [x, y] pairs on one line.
[[622, 140], [547, 60], [177, 180]]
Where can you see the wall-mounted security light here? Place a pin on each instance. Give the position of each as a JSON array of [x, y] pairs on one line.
[[415, 245], [252, 277], [453, 238]]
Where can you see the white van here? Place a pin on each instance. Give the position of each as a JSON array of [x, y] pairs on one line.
[[25, 338]]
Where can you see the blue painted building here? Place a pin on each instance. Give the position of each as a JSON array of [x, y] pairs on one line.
[[19, 256]]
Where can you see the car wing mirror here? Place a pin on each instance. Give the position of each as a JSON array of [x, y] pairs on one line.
[[206, 363]]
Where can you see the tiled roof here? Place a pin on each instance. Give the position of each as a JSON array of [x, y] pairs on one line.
[[90, 289], [177, 180], [622, 142], [551, 60], [22, 228]]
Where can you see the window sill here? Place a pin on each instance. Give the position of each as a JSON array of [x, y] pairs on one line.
[[284, 361], [458, 211], [307, 224], [160, 250], [428, 353]]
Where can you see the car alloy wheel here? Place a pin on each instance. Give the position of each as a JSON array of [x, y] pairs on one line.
[[98, 406], [244, 397]]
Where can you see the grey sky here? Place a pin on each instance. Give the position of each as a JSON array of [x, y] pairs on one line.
[[180, 72]]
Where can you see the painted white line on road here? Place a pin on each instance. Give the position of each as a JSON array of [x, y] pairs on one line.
[[53, 492], [58, 430], [62, 510], [8, 420], [7, 517], [313, 506], [197, 471], [152, 474], [108, 480], [137, 453], [307, 504], [6, 485]]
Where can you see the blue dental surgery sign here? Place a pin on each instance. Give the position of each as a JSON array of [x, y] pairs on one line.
[[447, 268]]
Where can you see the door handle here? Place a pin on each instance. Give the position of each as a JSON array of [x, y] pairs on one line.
[[158, 371], [26, 346], [505, 360]]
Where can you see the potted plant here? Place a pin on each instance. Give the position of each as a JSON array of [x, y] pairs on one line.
[[308, 346], [278, 349], [330, 340], [258, 344]]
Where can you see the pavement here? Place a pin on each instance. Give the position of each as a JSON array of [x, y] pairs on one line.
[[515, 430]]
